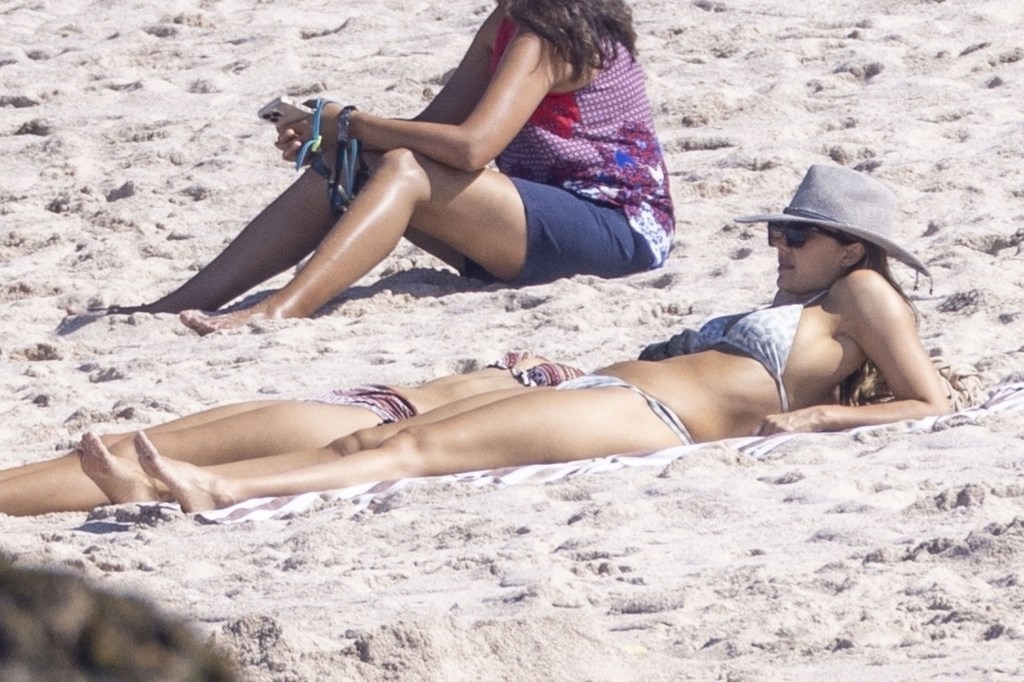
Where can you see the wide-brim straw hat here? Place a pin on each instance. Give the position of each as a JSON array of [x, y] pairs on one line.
[[847, 201]]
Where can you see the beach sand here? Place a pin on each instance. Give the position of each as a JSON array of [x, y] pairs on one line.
[[132, 154]]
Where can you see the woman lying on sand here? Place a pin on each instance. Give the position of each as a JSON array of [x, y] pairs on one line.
[[549, 90], [795, 366], [246, 438]]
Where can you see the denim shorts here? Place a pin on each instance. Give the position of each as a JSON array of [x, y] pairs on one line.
[[568, 235]]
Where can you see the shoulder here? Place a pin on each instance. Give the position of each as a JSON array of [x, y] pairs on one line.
[[533, 55], [497, 21], [863, 296], [862, 283]]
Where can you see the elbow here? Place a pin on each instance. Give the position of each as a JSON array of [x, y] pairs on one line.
[[472, 155], [942, 401], [936, 407], [943, 406]]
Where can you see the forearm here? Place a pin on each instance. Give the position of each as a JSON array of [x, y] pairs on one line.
[[458, 146], [477, 114], [840, 417]]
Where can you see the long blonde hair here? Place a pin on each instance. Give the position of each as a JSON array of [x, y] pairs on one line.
[[961, 382]]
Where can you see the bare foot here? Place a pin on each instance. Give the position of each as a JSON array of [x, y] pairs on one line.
[[119, 479], [205, 323], [194, 489]]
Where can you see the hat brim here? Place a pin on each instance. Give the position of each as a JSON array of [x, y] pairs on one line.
[[893, 249]]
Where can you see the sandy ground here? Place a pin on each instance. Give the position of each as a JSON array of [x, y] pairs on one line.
[[132, 155]]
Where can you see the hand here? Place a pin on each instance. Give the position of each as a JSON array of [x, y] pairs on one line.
[[292, 136], [807, 419]]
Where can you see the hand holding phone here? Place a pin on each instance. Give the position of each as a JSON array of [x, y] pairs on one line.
[[282, 111]]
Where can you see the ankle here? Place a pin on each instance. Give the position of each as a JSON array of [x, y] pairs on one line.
[[284, 306]]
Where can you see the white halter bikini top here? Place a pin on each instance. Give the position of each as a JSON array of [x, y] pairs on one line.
[[766, 335]]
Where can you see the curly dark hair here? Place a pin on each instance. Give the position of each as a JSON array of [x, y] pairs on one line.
[[583, 32]]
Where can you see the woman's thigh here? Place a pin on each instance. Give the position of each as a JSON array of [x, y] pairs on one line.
[[535, 427], [270, 430], [477, 215]]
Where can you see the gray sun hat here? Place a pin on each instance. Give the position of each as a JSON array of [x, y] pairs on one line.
[[846, 201]]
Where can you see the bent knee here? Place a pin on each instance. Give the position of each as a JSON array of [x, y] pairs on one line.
[[354, 442], [402, 164], [362, 439], [411, 452]]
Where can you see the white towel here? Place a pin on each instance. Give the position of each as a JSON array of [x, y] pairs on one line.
[[1005, 398]]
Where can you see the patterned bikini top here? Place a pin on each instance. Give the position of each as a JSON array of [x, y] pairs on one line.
[[766, 335]]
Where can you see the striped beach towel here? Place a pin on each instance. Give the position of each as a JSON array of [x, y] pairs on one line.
[[1005, 398]]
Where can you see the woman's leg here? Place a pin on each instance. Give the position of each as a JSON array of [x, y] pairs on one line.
[[374, 437], [434, 401], [539, 426], [253, 435], [225, 447], [112, 463], [479, 215], [218, 436], [279, 237], [53, 485], [60, 486], [203, 417], [280, 427], [449, 391]]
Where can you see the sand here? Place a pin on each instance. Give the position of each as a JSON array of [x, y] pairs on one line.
[[132, 154]]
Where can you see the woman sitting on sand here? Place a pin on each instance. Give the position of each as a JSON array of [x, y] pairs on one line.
[[794, 366], [223, 438], [551, 92]]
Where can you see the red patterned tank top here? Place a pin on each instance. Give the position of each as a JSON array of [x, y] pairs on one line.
[[599, 143]]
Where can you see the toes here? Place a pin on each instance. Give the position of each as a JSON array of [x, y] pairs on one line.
[[144, 445], [92, 446], [197, 321], [94, 457], [149, 460]]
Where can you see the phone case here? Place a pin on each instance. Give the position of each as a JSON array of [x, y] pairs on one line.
[[283, 110]]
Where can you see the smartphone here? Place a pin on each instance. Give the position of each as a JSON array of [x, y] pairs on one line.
[[283, 110]]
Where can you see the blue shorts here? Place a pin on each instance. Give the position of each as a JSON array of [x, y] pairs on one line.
[[568, 235]]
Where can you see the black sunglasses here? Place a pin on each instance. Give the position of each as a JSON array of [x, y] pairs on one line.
[[796, 234]]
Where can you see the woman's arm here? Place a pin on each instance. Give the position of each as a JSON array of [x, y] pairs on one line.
[[466, 85], [475, 116], [527, 72], [880, 322]]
